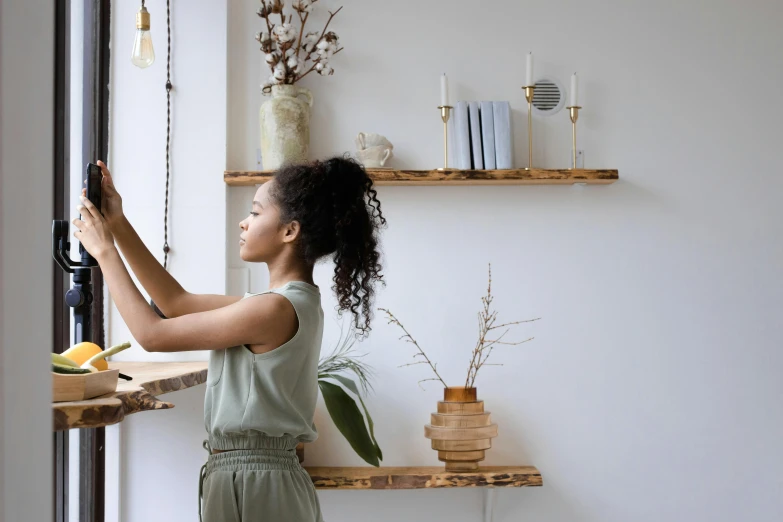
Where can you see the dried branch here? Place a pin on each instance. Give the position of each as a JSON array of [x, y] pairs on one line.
[[412, 364], [315, 63], [331, 15], [515, 322], [425, 380], [409, 337], [512, 344], [288, 68], [303, 21], [485, 346]]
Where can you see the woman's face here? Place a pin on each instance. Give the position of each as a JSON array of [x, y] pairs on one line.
[[263, 237]]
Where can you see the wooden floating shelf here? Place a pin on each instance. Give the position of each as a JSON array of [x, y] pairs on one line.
[[423, 477], [455, 177], [150, 379]]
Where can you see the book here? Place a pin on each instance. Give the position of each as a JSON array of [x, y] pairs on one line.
[[501, 112], [475, 135], [462, 136], [488, 134], [453, 155]]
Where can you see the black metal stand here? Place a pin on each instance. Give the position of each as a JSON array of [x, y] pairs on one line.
[[80, 296]]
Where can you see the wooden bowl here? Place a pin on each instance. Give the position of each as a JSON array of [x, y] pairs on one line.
[[84, 386]]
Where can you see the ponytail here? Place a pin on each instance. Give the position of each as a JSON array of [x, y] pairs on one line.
[[338, 209]]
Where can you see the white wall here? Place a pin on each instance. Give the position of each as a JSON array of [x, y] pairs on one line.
[[652, 388], [26, 162]]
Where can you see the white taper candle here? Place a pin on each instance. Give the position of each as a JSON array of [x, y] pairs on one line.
[[444, 90], [574, 91]]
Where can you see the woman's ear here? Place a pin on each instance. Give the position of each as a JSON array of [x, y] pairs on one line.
[[291, 231]]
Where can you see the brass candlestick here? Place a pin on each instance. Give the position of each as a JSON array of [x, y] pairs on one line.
[[573, 112], [445, 113], [529, 92]]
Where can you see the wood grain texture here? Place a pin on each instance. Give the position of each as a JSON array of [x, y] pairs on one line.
[[460, 394], [460, 407], [461, 445], [423, 477], [456, 177], [150, 379], [475, 433], [456, 420], [81, 387]]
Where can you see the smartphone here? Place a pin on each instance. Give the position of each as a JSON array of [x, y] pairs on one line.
[[94, 178]]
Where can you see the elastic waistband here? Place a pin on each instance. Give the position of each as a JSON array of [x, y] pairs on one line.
[[254, 460], [261, 459], [257, 441]]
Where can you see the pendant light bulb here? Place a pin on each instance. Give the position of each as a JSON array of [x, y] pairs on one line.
[[143, 54]]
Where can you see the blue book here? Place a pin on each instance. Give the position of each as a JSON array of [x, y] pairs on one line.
[[462, 136], [488, 134], [475, 135], [501, 112]]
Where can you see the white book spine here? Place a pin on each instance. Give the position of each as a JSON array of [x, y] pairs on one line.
[[503, 149], [488, 135], [462, 134], [452, 141], [475, 135]]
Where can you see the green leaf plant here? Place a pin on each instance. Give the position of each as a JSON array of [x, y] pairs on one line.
[[355, 424]]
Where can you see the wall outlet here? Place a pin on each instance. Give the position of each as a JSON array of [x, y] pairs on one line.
[[258, 159]]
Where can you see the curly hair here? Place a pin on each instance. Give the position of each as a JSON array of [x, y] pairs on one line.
[[339, 213]]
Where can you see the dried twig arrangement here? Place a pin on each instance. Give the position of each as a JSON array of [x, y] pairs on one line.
[[409, 339], [291, 54], [487, 339]]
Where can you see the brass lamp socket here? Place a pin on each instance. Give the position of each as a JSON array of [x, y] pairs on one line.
[[143, 19]]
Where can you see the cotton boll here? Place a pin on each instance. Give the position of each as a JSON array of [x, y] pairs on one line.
[[292, 62], [303, 6], [309, 41], [270, 58], [284, 33]]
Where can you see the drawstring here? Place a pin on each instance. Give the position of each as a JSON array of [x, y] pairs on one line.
[[202, 476]]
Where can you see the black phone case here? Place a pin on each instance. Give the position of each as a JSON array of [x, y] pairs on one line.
[[94, 177]]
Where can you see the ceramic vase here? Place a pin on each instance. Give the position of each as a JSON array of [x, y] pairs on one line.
[[285, 126]]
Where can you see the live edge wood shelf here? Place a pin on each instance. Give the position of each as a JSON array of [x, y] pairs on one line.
[[423, 477], [455, 177], [150, 379]]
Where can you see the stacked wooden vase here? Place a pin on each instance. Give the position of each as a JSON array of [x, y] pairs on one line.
[[461, 431]]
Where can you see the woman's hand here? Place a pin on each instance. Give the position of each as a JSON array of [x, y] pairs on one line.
[[93, 233], [111, 201]]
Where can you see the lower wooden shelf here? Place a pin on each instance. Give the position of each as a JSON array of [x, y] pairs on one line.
[[456, 177], [368, 477], [150, 379]]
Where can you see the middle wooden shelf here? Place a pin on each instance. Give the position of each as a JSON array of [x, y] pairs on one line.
[[455, 177]]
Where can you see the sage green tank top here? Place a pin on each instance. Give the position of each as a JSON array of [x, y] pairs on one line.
[[267, 400]]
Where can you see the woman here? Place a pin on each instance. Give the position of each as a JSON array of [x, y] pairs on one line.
[[264, 348]]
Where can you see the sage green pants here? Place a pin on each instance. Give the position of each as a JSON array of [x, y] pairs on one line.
[[261, 485]]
